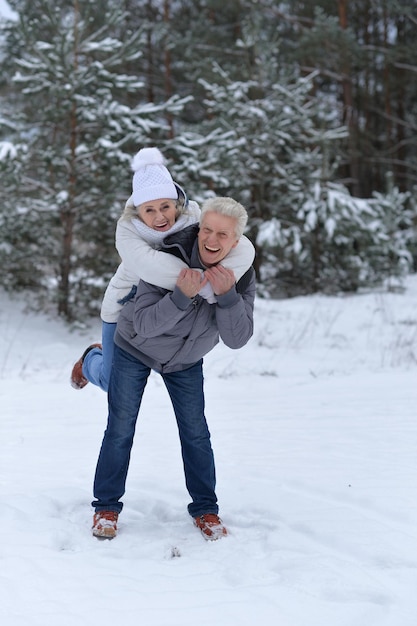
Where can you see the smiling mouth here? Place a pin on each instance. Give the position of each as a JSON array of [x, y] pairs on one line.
[[212, 250], [164, 225]]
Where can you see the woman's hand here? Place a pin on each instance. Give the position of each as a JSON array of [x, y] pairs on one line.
[[190, 282], [220, 278]]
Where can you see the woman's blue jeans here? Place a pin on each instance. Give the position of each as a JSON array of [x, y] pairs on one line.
[[97, 363], [127, 384]]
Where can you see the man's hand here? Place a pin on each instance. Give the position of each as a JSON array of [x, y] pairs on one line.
[[220, 278], [190, 282]]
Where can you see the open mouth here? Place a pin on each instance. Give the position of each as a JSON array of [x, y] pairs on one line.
[[212, 250], [161, 226]]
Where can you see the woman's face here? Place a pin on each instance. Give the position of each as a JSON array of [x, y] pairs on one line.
[[158, 214]]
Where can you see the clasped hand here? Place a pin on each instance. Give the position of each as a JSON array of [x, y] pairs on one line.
[[191, 281]]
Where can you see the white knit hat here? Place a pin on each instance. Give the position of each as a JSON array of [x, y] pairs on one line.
[[151, 179]]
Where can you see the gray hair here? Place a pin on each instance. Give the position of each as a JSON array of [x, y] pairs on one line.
[[230, 208]]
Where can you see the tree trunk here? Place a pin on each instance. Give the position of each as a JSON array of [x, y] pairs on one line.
[[67, 214], [349, 113], [150, 61], [167, 63]]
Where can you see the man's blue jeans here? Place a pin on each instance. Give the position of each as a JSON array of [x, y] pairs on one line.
[[127, 384]]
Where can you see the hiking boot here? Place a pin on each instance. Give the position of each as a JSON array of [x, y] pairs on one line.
[[211, 526], [105, 524], [78, 380]]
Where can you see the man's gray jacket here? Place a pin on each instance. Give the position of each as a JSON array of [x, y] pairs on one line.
[[170, 332]]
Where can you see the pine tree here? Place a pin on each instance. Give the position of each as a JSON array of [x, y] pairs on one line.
[[244, 98], [267, 139], [80, 116]]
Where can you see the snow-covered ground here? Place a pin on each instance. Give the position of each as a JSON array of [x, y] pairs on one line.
[[314, 426]]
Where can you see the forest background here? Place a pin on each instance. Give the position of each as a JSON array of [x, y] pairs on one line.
[[306, 112]]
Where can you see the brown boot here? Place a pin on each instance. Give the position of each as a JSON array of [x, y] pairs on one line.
[[105, 524], [211, 526], [78, 380]]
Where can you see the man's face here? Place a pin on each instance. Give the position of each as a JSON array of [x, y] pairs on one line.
[[217, 236]]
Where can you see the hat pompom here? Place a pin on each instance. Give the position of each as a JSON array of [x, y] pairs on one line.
[[147, 156]]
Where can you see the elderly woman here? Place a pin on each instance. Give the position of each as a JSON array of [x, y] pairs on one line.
[[158, 207]]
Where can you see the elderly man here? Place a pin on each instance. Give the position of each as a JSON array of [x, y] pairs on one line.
[[170, 332]]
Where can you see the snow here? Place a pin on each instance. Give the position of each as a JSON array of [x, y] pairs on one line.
[[6, 11], [315, 435], [7, 150]]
